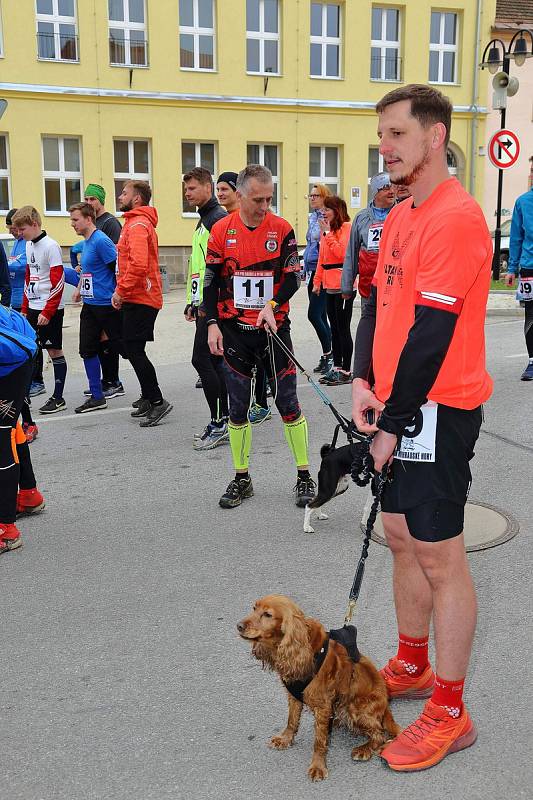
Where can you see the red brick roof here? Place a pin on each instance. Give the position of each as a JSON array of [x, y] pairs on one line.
[[514, 12]]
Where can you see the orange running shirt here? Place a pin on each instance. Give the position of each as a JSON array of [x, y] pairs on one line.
[[438, 255], [251, 264]]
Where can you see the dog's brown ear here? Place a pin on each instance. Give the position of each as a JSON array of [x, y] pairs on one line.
[[294, 658]]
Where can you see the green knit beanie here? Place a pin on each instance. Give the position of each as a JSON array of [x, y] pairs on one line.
[[94, 190]]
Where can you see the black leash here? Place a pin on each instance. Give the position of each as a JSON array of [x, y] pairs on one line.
[[362, 472]]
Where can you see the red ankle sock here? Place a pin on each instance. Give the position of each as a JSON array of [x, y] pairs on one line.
[[449, 695], [413, 653]]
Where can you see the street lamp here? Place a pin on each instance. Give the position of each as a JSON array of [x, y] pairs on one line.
[[496, 56]]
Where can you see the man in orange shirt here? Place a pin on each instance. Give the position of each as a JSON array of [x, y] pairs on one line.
[[420, 364], [139, 296]]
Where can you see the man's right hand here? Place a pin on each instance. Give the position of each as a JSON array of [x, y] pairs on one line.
[[363, 398], [509, 278], [214, 340]]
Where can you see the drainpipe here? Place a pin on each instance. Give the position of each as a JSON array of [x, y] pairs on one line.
[[474, 106]]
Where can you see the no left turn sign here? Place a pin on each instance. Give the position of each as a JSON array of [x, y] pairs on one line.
[[504, 149]]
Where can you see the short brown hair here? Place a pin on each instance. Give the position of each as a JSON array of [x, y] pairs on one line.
[[27, 215], [142, 188], [340, 212], [428, 105], [85, 209], [199, 174]]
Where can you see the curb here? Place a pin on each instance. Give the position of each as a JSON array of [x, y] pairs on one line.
[[504, 312]]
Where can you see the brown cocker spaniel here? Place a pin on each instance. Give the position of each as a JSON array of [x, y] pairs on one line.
[[339, 690]]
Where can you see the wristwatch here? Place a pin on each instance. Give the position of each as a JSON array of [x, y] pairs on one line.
[[274, 305]]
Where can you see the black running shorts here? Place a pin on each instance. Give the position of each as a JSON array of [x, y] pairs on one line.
[[51, 335], [432, 496], [93, 321], [138, 322]]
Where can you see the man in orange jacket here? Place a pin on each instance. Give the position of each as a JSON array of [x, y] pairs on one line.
[[139, 295]]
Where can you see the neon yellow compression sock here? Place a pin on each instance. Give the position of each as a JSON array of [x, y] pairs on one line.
[[240, 439], [297, 439]]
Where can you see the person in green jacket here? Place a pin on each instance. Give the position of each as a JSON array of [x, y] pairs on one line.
[[198, 189]]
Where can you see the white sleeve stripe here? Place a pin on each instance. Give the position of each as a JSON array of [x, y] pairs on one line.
[[439, 298]]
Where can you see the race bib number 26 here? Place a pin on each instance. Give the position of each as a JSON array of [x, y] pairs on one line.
[[252, 289]]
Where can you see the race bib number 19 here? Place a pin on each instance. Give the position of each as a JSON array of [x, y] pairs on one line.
[[252, 289], [418, 442], [525, 289]]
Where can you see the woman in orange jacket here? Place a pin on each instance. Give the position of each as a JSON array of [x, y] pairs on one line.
[[333, 243]]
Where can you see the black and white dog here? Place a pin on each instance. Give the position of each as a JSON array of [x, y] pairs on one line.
[[333, 478]]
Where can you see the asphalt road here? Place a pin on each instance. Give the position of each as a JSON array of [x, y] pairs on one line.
[[123, 676]]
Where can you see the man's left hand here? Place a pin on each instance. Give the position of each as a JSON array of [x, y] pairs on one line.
[[266, 318], [116, 301], [382, 449], [42, 320]]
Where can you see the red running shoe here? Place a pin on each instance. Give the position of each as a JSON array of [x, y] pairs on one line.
[[434, 735], [10, 537], [400, 683], [31, 431], [29, 501]]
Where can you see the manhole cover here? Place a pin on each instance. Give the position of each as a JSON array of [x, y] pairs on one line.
[[485, 526]]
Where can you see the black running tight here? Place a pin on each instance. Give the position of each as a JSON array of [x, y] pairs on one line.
[[12, 391], [144, 370]]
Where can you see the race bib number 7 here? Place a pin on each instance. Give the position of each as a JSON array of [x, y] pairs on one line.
[[252, 289]]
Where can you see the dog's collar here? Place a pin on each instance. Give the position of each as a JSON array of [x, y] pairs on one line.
[[347, 636]]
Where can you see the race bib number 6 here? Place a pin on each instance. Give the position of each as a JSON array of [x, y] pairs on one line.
[[252, 289], [86, 285]]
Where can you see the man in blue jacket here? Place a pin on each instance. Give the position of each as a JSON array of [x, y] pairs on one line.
[[5, 283], [521, 263], [16, 262]]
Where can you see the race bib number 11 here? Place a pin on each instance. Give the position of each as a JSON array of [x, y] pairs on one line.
[[252, 289]]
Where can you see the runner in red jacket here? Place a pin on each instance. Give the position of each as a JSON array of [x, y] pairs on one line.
[[139, 295]]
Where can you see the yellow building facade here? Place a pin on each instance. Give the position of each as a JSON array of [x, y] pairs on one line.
[[99, 90]]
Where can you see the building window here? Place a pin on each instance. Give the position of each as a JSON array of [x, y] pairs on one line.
[[443, 47], [262, 36], [325, 40], [268, 156], [128, 45], [197, 34], [385, 44], [5, 194], [324, 167], [131, 158], [57, 38], [62, 173], [375, 162], [197, 154]]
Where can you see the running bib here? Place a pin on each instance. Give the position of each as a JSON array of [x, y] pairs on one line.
[[33, 288], [374, 237], [195, 289], [525, 289], [86, 285], [252, 289], [418, 442]]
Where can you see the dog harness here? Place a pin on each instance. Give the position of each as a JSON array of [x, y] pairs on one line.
[[347, 637]]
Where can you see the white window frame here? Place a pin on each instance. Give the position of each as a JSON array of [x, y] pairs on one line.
[[56, 19], [323, 178], [6, 173], [381, 161], [128, 26], [442, 48], [262, 36], [275, 178], [385, 44], [131, 175], [196, 31], [197, 163], [325, 40], [61, 174]]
